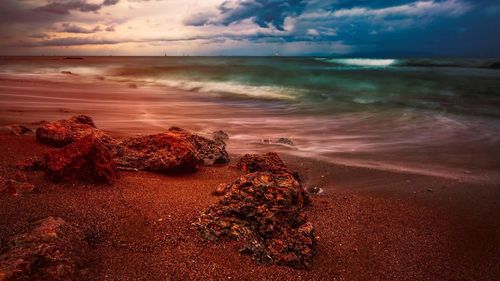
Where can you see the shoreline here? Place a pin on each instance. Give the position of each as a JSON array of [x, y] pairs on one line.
[[151, 109], [371, 224]]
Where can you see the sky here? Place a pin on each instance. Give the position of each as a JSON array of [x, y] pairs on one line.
[[384, 28]]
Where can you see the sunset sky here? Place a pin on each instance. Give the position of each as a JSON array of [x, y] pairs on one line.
[[250, 27]]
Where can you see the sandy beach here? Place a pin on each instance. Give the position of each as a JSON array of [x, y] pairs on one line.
[[371, 222], [371, 225]]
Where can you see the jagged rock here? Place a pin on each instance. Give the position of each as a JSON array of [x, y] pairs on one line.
[[31, 164], [220, 136], [285, 141], [52, 250], [20, 130], [86, 159], [166, 152], [264, 210], [209, 151], [269, 162], [63, 132]]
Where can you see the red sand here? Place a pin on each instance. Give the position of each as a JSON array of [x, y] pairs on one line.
[[371, 225]]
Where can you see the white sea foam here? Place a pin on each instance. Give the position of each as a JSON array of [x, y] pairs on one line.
[[364, 62], [234, 89]]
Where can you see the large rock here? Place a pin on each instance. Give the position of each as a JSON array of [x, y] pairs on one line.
[[63, 132], [209, 151], [86, 159], [264, 210], [166, 152], [269, 162], [52, 250]]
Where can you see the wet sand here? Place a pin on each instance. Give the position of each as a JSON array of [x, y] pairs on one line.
[[371, 225]]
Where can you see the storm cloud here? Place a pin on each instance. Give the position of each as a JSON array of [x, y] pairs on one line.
[[63, 7], [264, 13]]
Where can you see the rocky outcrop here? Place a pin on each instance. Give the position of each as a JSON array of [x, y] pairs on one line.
[[86, 159], [209, 151], [139, 153], [264, 210], [165, 153], [63, 132], [52, 250]]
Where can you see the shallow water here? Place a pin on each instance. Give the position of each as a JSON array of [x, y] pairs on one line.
[[426, 116]]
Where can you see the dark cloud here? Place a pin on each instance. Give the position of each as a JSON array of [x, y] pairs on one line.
[[73, 28], [265, 13], [63, 7]]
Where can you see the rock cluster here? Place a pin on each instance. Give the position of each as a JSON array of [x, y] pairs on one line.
[[263, 209], [89, 154], [52, 250]]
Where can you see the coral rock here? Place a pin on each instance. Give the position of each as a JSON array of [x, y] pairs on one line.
[[86, 159], [52, 250]]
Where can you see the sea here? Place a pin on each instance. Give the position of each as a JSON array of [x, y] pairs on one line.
[[430, 116]]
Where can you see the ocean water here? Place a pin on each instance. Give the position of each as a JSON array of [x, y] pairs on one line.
[[430, 116]]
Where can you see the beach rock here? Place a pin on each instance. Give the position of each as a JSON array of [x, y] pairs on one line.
[[20, 130], [165, 152], [52, 250], [86, 159], [313, 190], [209, 151], [20, 176], [269, 162], [15, 188], [31, 164], [264, 211], [285, 141], [220, 136], [63, 132]]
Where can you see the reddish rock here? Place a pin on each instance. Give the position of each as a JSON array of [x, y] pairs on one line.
[[15, 188], [52, 250], [63, 132], [209, 151], [166, 153], [86, 159], [31, 164], [269, 162], [264, 211], [20, 130]]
